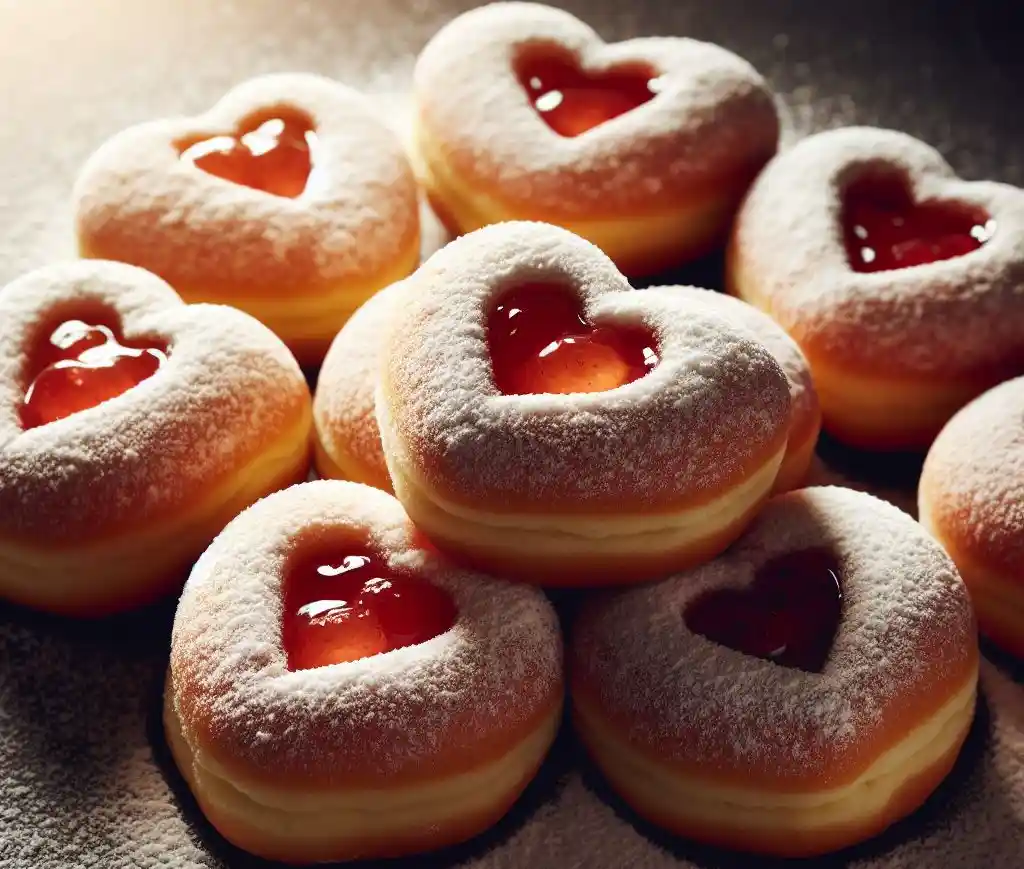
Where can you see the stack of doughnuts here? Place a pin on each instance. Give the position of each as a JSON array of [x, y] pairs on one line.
[[368, 666]]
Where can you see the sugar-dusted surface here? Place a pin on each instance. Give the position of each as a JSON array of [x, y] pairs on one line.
[[441, 706], [138, 202], [343, 408], [229, 391], [803, 398], [715, 389], [712, 122], [961, 318], [973, 479], [78, 783], [905, 644]]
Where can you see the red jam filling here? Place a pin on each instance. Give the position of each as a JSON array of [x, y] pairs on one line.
[[540, 342], [274, 155], [82, 365], [885, 229], [789, 614], [347, 604], [572, 101]]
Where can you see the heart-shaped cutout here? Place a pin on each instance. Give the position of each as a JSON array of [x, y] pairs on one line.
[[81, 365], [789, 613], [275, 154], [345, 603], [573, 100], [541, 342], [884, 229]]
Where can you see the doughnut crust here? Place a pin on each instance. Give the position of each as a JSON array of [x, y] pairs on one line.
[[652, 187], [106, 509], [971, 497], [399, 752], [742, 752], [581, 488], [347, 437], [894, 353], [300, 265]]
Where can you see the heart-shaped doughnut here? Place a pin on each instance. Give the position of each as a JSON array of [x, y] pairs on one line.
[[312, 728], [644, 147], [289, 199], [348, 443], [640, 469], [725, 747], [900, 282], [971, 497], [132, 428]]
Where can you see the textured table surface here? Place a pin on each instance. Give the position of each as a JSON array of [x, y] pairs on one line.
[[83, 778]]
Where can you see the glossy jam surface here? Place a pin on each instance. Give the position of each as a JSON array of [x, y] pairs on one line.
[[81, 365], [572, 101], [540, 342], [884, 229], [274, 155], [789, 614], [347, 604]]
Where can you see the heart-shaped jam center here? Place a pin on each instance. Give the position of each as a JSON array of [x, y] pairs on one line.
[[81, 365], [541, 342], [788, 614], [573, 101], [885, 229], [347, 604], [274, 155]]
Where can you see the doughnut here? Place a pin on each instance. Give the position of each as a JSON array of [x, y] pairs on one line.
[[338, 691], [347, 444], [971, 498], [288, 199], [805, 420], [796, 695], [899, 281], [348, 440], [643, 147], [133, 427], [543, 421]]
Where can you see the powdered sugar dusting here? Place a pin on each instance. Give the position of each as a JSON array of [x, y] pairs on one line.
[[906, 631], [500, 666], [137, 202], [716, 404], [802, 395], [973, 478], [344, 405], [712, 122], [959, 317], [229, 390]]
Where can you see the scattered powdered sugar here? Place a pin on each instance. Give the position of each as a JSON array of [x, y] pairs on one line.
[[712, 122], [713, 406], [138, 202], [973, 478], [906, 631], [343, 409], [498, 668], [802, 395], [229, 390], [959, 317]]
